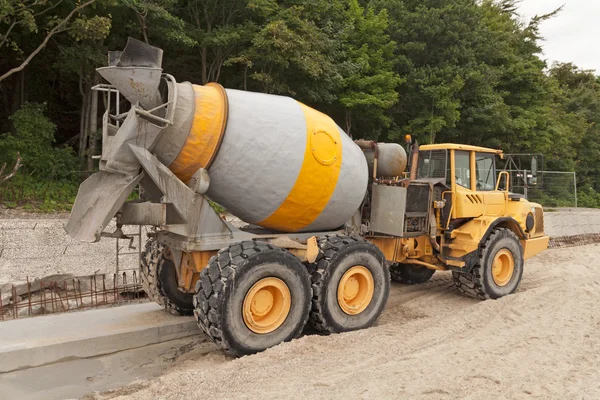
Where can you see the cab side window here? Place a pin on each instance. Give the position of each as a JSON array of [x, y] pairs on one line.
[[486, 171], [462, 166]]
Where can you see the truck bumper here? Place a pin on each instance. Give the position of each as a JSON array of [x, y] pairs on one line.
[[533, 246]]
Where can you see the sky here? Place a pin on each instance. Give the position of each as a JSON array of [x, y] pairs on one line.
[[571, 36]]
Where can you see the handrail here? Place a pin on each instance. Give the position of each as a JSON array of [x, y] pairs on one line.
[[170, 105], [171, 110], [500, 178], [452, 199]]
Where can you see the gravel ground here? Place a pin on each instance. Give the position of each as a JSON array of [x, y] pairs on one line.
[[15, 213], [39, 247], [35, 245]]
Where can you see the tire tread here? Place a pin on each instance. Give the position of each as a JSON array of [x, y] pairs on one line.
[[472, 284], [153, 261], [215, 279], [329, 246]]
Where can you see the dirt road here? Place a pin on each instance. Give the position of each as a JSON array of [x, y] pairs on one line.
[[543, 342]]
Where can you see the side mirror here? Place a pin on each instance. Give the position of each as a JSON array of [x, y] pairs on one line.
[[532, 179]]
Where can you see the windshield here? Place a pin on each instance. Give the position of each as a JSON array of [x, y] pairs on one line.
[[486, 173]]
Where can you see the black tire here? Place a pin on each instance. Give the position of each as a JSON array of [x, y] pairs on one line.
[[159, 280], [411, 274], [338, 254], [223, 286], [480, 282]]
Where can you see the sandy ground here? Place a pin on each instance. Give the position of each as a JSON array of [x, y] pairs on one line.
[[430, 343], [542, 342]]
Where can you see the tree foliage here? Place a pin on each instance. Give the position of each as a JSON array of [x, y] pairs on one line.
[[26, 16], [467, 71]]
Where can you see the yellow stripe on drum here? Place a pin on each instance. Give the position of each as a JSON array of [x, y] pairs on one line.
[[206, 133], [317, 178]]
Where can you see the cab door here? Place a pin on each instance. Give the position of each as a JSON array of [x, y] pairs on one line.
[[483, 182], [467, 203]]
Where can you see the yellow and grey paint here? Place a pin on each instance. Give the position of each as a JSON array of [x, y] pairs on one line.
[[272, 161]]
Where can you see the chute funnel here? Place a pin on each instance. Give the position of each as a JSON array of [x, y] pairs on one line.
[[136, 73]]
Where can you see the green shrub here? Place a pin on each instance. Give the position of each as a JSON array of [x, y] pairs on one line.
[[48, 179], [588, 197], [34, 140]]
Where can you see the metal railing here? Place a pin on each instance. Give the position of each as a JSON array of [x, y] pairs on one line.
[[550, 188]]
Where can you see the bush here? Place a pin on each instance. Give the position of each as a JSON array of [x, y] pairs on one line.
[[49, 179], [588, 197], [34, 139]]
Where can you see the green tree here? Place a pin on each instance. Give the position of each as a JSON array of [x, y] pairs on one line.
[[295, 49], [579, 103], [222, 29], [30, 16], [158, 18], [370, 82]]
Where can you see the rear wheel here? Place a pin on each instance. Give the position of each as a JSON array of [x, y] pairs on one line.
[[410, 273], [350, 285], [499, 270], [251, 297], [159, 280]]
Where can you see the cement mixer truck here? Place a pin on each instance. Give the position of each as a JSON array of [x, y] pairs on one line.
[[329, 221]]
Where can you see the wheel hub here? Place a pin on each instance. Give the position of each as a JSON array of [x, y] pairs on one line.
[[266, 305], [262, 303], [503, 267], [351, 288], [355, 290]]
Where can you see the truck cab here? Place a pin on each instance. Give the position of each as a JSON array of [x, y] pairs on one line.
[[478, 197], [458, 215]]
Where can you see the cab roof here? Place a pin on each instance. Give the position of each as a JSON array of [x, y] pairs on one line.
[[454, 146]]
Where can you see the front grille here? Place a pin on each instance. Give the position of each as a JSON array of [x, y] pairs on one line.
[[417, 198]]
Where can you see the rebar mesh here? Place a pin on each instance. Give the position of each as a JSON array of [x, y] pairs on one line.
[[94, 291]]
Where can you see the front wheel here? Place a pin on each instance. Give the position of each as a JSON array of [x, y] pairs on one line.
[[499, 270]]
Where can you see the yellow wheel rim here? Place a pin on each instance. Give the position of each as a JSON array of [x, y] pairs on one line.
[[503, 267], [355, 290], [266, 305]]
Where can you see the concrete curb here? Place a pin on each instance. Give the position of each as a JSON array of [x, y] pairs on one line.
[[44, 340]]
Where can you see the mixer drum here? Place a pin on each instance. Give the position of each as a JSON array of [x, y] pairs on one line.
[[272, 161]]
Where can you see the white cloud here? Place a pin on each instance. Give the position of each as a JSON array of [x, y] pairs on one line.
[[571, 36]]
